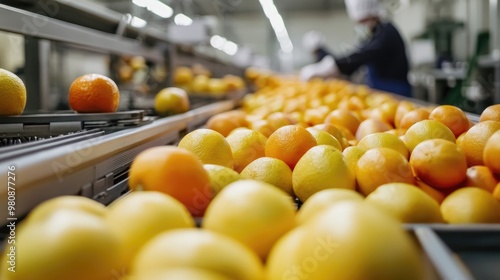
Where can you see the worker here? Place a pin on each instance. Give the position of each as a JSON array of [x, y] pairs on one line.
[[382, 51]]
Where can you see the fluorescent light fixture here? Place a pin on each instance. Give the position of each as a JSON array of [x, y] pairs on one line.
[[277, 24], [155, 6], [183, 20], [138, 22], [223, 44]]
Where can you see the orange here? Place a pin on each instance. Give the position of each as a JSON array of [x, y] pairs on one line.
[[481, 177], [261, 126], [343, 118], [403, 108], [333, 131], [453, 117], [380, 166], [94, 93], [289, 143], [475, 140], [413, 117], [352, 155], [174, 171], [209, 146], [432, 192], [183, 75], [382, 139], [226, 122], [171, 101], [324, 138], [426, 130], [439, 163], [386, 112], [12, 93], [491, 153], [278, 119], [370, 126], [397, 131], [470, 205], [270, 170], [492, 113]]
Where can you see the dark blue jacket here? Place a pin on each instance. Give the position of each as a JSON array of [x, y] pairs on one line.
[[384, 54]]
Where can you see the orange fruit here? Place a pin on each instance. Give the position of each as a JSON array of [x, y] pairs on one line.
[[432, 192], [171, 101], [270, 170], [209, 146], [370, 126], [453, 117], [481, 177], [183, 75], [470, 205], [289, 143], [426, 130], [380, 166], [403, 108], [382, 139], [352, 155], [343, 118], [226, 122], [413, 117], [491, 153], [278, 119], [174, 171], [397, 131], [475, 140], [94, 93], [324, 138], [386, 112], [439, 163], [12, 93], [491, 113], [262, 126], [333, 131]]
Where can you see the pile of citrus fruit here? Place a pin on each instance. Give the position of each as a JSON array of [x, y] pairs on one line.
[[306, 181]]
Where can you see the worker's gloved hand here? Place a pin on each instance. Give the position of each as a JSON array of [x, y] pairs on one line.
[[313, 40], [326, 68]]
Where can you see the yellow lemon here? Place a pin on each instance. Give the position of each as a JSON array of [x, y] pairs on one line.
[[325, 138], [12, 93], [352, 155], [387, 140], [426, 130], [322, 167], [272, 171], [321, 200], [255, 213], [406, 202], [171, 101], [210, 147], [220, 176], [470, 206], [200, 249], [246, 145], [140, 216]]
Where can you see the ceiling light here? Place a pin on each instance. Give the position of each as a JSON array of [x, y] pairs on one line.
[[182, 19], [155, 6], [223, 44], [138, 22], [277, 24]]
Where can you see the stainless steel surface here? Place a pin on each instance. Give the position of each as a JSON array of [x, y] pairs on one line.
[[27, 23], [71, 117], [440, 255], [59, 171]]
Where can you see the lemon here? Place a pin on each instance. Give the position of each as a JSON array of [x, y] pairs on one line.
[[350, 240], [12, 94], [210, 147], [322, 167], [321, 200], [325, 138], [179, 274], [272, 171], [470, 205], [387, 140], [87, 205], [171, 101], [139, 216], [67, 244], [200, 249], [220, 176], [426, 130], [255, 213], [246, 145], [183, 75], [200, 84], [406, 202], [352, 155]]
